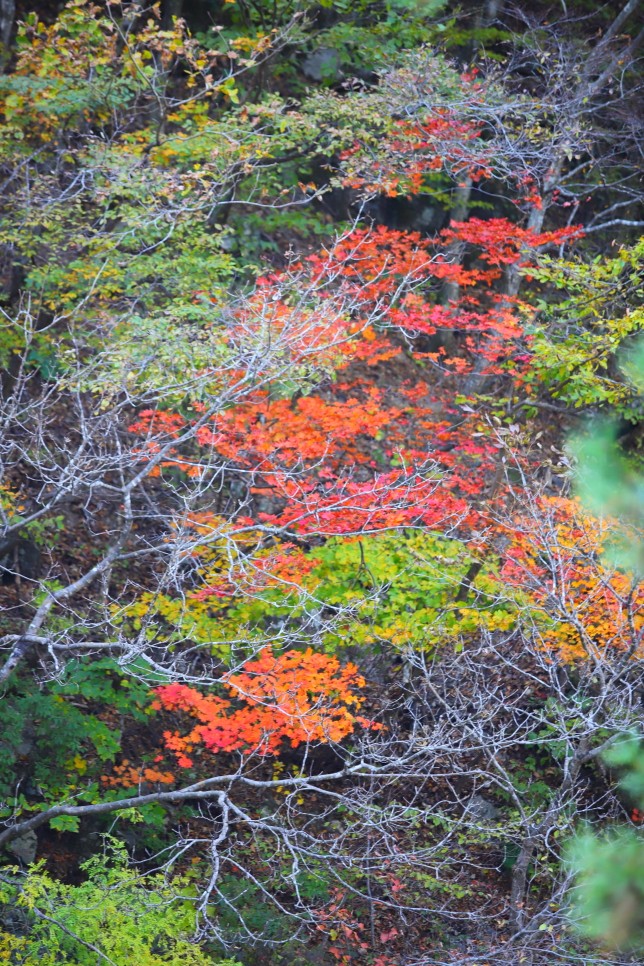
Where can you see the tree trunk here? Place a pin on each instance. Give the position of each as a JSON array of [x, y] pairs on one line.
[[452, 290], [172, 9], [536, 219], [519, 881], [7, 17]]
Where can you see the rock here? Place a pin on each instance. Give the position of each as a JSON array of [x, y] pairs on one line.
[[480, 810], [18, 558], [427, 217], [322, 64], [24, 847]]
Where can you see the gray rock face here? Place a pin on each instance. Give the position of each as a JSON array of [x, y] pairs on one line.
[[480, 810], [25, 847], [322, 64]]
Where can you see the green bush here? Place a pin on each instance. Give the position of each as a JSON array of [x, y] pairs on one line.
[[117, 916]]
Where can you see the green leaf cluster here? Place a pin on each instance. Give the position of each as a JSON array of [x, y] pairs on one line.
[[608, 898], [54, 736], [577, 338], [392, 590], [117, 915]]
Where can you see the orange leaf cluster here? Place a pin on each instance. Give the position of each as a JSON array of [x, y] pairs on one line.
[[598, 610], [286, 434], [444, 140], [126, 775], [296, 697], [324, 461], [388, 501]]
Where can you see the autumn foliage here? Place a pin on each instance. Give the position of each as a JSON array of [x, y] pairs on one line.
[[297, 696], [309, 450], [289, 363], [562, 557]]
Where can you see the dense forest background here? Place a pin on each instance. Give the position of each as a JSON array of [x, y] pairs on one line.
[[321, 490]]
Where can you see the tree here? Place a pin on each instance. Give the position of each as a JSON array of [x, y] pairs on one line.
[[607, 870], [112, 917], [291, 596]]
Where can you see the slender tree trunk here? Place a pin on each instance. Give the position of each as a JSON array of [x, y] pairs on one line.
[[486, 15], [7, 17], [536, 218], [452, 290], [172, 9], [519, 882]]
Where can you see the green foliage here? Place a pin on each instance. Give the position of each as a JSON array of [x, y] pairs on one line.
[[46, 739], [243, 901], [54, 739], [387, 579], [43, 532], [610, 887], [610, 483], [393, 590], [608, 900], [104, 681], [117, 915], [609, 895], [55, 89], [362, 35], [628, 754], [364, 42], [576, 339], [167, 202]]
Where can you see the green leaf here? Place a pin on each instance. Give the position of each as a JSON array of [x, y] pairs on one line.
[[65, 823]]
